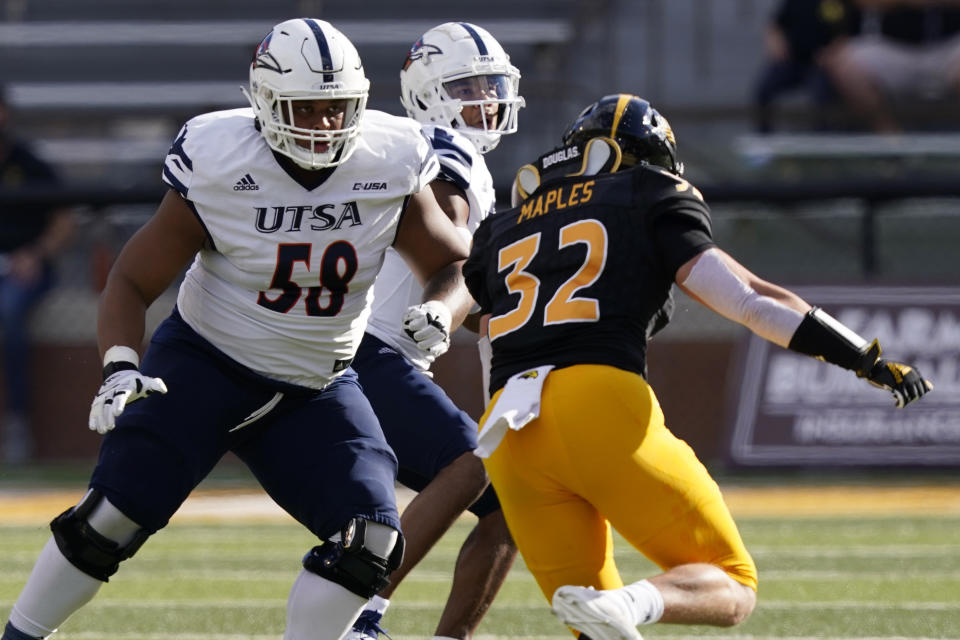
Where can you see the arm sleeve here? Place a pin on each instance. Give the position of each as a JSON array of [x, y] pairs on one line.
[[712, 281]]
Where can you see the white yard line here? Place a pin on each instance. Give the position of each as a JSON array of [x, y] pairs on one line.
[[857, 551], [97, 635], [104, 602], [429, 577]]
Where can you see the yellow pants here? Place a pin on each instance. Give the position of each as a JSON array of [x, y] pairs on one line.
[[600, 455]]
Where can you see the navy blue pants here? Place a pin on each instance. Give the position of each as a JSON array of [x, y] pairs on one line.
[[319, 454], [422, 425]]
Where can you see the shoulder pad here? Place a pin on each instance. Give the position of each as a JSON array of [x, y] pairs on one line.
[[456, 153], [663, 184]]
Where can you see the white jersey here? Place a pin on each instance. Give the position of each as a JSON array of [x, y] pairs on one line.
[[286, 284], [397, 288]]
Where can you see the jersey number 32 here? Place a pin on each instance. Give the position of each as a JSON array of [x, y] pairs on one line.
[[564, 305]]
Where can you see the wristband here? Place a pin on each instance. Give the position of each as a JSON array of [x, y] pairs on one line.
[[824, 337], [119, 358]]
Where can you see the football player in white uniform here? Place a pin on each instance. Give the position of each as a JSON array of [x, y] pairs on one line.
[[285, 210], [458, 81]]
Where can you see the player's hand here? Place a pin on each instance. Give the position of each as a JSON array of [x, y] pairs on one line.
[[428, 325], [902, 380], [116, 392]]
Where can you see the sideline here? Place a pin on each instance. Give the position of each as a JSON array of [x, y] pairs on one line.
[[38, 506]]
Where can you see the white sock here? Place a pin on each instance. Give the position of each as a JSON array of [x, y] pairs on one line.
[[647, 601], [443, 638], [319, 609], [54, 590], [378, 604]]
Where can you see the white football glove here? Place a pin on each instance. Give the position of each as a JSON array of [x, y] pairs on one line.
[[116, 392], [428, 324]]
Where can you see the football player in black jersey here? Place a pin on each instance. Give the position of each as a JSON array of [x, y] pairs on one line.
[[575, 279]]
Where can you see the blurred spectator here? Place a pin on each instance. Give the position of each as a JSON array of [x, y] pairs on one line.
[[31, 237], [908, 53], [796, 40]]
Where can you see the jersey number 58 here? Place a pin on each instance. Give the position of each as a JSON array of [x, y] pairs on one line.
[[337, 267]]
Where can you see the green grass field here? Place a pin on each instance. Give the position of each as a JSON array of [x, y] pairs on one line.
[[849, 576]]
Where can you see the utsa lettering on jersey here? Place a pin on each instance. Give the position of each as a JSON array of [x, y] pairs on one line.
[[283, 212], [573, 281], [458, 84], [283, 255]]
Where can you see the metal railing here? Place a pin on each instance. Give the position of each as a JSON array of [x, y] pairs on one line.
[[872, 193]]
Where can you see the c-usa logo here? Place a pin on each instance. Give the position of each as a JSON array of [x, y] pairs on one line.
[[420, 51]]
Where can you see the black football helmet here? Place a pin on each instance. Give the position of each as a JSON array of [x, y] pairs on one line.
[[644, 136]]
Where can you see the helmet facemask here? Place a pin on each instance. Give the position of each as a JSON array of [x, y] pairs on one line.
[[482, 107], [304, 146]]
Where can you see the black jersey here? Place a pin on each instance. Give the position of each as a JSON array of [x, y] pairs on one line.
[[581, 271]]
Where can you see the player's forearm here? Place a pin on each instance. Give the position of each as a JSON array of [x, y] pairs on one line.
[[728, 288], [121, 315], [782, 317], [447, 286]]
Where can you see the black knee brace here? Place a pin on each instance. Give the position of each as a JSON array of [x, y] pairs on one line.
[[351, 565], [86, 549]]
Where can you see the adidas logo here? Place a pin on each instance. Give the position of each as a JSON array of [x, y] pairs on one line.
[[246, 183]]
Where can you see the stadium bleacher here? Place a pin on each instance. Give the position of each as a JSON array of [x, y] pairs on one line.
[[106, 86]]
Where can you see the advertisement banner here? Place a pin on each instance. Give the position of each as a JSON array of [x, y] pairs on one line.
[[794, 410]]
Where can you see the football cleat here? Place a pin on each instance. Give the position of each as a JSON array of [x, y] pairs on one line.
[[601, 615], [367, 627]]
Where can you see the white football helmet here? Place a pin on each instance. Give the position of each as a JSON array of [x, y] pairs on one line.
[[307, 59], [457, 65]]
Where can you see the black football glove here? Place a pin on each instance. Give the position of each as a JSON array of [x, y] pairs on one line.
[[902, 380]]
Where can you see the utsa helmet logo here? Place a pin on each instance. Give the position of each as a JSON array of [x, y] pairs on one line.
[[419, 51], [263, 58], [264, 45]]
